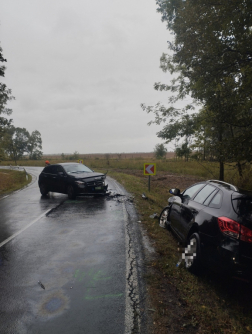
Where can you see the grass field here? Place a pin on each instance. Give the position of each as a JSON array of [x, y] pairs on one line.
[[11, 180], [207, 170]]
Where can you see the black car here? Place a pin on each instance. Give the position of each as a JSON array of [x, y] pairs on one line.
[[215, 219], [74, 179]]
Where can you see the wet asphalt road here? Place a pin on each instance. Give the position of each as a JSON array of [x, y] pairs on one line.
[[68, 266]]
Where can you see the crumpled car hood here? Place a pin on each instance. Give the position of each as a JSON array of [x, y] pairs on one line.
[[85, 175]]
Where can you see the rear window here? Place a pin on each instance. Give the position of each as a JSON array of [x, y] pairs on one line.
[[242, 206]]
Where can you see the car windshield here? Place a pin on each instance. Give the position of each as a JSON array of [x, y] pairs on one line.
[[77, 168]]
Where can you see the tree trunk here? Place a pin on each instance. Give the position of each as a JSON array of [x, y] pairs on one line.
[[221, 176], [239, 168]]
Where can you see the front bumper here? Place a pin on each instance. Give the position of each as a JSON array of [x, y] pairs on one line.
[[91, 190]]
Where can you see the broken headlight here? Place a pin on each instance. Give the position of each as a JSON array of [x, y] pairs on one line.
[[80, 184]]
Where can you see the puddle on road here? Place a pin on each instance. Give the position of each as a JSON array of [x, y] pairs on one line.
[[54, 304]]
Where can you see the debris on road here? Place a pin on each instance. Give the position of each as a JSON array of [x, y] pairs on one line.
[[120, 198], [42, 286]]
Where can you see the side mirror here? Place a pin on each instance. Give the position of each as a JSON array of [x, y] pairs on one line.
[[175, 192], [60, 173]]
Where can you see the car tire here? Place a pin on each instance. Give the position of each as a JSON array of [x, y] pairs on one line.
[[163, 218], [70, 192], [193, 254], [43, 189]]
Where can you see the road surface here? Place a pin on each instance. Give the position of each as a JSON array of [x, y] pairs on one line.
[[70, 266]]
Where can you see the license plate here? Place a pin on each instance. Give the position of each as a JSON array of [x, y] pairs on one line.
[[98, 188]]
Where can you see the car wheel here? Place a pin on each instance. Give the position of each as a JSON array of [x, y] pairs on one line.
[[70, 192], [43, 189], [163, 222], [192, 254]]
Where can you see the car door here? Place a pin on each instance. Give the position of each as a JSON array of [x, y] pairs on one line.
[[175, 212], [61, 179], [47, 178], [51, 176], [178, 205], [191, 207]]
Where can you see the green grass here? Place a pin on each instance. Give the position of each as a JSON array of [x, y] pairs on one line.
[[11, 180]]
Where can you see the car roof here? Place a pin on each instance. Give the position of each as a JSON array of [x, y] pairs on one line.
[[222, 184], [68, 163], [231, 187]]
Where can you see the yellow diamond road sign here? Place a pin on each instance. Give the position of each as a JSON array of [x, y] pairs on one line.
[[149, 169]]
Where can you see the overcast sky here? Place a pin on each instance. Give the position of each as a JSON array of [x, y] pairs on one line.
[[80, 69]]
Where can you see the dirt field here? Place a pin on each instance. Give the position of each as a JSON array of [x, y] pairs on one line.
[[166, 180]]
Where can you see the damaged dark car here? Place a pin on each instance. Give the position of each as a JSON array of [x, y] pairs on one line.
[[73, 179], [213, 220]]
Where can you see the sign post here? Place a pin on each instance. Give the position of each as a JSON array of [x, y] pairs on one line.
[[149, 169]]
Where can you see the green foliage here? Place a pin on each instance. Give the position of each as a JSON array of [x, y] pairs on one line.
[[75, 156], [14, 142], [34, 146], [183, 151], [17, 141], [160, 151], [212, 58], [36, 155], [5, 96]]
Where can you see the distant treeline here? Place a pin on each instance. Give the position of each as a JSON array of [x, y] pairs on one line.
[[134, 155]]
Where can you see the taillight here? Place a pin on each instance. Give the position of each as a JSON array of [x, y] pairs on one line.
[[229, 227], [246, 234], [235, 230]]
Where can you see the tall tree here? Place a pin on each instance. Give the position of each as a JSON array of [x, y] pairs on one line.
[[212, 55], [35, 145], [5, 96], [160, 151], [15, 142]]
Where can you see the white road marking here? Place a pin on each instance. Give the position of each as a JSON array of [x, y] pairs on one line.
[[24, 228]]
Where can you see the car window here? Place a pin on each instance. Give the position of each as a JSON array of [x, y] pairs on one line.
[[49, 170], [53, 169], [204, 193], [192, 190], [59, 169], [243, 206], [77, 168], [216, 201], [209, 198]]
